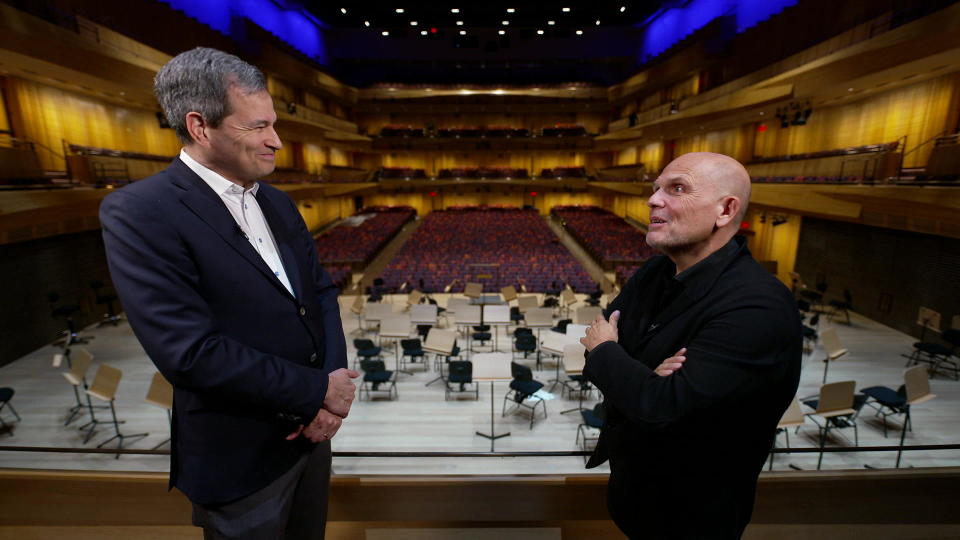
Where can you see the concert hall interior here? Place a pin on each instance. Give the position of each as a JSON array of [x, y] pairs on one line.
[[476, 177]]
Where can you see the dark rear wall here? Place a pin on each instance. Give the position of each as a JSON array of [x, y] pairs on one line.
[[889, 273], [29, 271]]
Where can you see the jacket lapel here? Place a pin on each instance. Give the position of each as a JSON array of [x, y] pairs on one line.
[[281, 235], [202, 201]]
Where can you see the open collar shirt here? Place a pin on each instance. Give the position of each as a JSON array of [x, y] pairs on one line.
[[242, 205]]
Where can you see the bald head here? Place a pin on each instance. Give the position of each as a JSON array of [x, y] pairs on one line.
[[727, 176]]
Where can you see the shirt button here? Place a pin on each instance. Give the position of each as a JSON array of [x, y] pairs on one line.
[[303, 311]]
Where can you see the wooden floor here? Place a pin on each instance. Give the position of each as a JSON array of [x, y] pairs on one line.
[[420, 420]]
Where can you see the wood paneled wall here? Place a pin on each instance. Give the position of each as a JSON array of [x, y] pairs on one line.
[[919, 111], [534, 162], [48, 116]]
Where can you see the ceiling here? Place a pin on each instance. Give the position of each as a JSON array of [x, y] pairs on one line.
[[482, 42]]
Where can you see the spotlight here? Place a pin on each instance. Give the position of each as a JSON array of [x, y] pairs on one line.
[[502, 32], [454, 10], [399, 10], [565, 10], [384, 33], [539, 32], [579, 32], [343, 10], [366, 23]]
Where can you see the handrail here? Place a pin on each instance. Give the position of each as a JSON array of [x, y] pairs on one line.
[[542, 453], [926, 142]]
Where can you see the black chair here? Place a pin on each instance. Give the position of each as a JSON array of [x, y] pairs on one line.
[[810, 334], [844, 306], [591, 419], [515, 315], [522, 388], [6, 394], [412, 349], [461, 373], [66, 312], [366, 350], [423, 330], [950, 361], [561, 326], [482, 334], [375, 374], [526, 344], [106, 298]]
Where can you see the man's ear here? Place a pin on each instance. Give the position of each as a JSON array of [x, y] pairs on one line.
[[196, 127], [730, 207]]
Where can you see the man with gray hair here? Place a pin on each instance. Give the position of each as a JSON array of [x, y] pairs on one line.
[[220, 281], [697, 362]]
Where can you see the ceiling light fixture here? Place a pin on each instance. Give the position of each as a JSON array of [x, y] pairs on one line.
[[454, 10], [579, 32], [623, 8], [343, 10], [459, 23], [598, 22], [566, 10], [413, 23], [366, 23], [502, 32], [399, 10], [384, 33], [510, 10], [540, 32], [463, 32], [505, 23], [551, 22], [423, 32]]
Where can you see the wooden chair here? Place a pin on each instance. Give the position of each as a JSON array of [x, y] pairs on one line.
[[793, 417], [833, 348], [104, 388], [160, 393], [357, 309], [79, 361], [836, 409]]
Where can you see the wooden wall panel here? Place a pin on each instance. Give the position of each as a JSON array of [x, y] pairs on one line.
[[51, 115]]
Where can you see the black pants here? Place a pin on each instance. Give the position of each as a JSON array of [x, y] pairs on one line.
[[292, 507]]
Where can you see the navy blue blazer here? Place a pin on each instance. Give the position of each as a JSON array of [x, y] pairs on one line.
[[247, 359]]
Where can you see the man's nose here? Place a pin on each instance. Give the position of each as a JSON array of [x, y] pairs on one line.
[[274, 140]]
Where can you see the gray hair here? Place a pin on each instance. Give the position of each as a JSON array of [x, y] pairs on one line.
[[198, 81]]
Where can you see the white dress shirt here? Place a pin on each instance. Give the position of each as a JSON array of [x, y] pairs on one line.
[[242, 204]]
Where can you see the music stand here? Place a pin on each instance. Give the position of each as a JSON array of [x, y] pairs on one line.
[[395, 328], [440, 343], [492, 367], [496, 316]]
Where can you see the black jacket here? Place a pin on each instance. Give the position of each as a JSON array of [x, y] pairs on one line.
[[246, 358], [712, 421]]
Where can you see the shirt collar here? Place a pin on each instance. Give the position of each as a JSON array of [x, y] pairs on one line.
[[709, 267], [219, 184]]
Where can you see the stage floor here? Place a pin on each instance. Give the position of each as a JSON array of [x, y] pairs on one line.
[[422, 421]]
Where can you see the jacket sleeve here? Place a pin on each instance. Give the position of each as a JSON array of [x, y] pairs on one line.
[[334, 345], [734, 354], [159, 284]]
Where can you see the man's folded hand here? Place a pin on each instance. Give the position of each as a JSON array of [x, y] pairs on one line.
[[340, 392]]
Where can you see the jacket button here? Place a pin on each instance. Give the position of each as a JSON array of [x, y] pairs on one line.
[[313, 358], [303, 311]]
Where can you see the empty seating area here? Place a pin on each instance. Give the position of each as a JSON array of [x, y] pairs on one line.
[[108, 167], [564, 172], [355, 242], [478, 132], [402, 173], [519, 241], [868, 163], [483, 172], [608, 238]]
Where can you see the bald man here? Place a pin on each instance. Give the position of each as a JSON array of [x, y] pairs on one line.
[[697, 359]]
